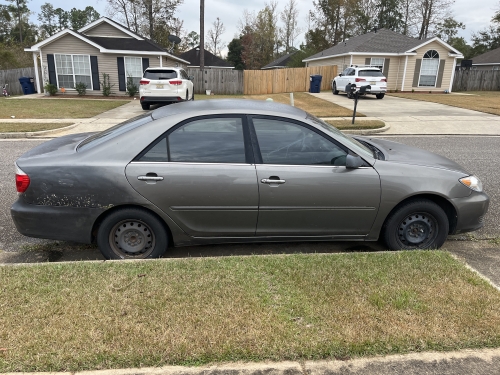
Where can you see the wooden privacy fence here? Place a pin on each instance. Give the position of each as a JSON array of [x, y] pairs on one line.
[[285, 80], [476, 80], [12, 76], [219, 81]]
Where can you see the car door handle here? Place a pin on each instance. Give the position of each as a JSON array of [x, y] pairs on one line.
[[271, 181], [150, 178]]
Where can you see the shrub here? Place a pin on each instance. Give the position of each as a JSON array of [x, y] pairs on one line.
[[50, 88], [132, 88], [81, 88], [412, 90], [106, 86]]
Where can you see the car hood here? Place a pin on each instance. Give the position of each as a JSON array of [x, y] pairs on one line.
[[400, 153]]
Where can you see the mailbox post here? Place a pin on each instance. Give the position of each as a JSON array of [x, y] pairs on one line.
[[353, 92]]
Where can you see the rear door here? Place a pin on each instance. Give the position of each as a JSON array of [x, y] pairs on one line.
[[201, 173]]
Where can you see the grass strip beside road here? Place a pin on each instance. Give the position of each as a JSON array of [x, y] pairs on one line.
[[81, 316], [358, 125], [482, 101], [315, 106], [55, 108], [9, 127]]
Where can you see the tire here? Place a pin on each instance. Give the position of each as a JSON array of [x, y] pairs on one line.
[[350, 95], [145, 106], [192, 97], [419, 224], [132, 233], [334, 89], [380, 96], [187, 95]]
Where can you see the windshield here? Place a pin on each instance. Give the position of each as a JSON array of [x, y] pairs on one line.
[[114, 131], [350, 142], [160, 74], [370, 73]]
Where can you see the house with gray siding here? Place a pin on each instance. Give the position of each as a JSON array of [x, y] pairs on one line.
[[409, 64], [103, 46], [487, 61]]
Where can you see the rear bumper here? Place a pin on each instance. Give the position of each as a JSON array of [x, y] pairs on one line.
[[160, 99], [55, 223], [470, 212]]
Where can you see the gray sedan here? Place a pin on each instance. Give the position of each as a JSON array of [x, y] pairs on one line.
[[239, 171]]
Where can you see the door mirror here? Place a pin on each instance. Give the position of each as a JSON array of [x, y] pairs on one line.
[[353, 161], [190, 78], [340, 75]]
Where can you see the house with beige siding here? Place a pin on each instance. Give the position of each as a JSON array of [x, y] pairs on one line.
[[103, 46], [409, 64]]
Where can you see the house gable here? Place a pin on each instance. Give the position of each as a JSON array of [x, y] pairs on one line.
[[106, 30]]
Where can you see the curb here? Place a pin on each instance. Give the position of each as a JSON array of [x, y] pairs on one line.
[[484, 361], [367, 131], [36, 134]]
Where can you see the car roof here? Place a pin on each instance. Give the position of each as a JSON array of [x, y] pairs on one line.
[[201, 107], [164, 68]]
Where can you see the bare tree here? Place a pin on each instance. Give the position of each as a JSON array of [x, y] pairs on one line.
[[214, 37], [432, 12], [289, 18]]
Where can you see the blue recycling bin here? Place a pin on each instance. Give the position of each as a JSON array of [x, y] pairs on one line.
[[315, 83], [28, 85]]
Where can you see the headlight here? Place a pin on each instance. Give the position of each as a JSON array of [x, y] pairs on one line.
[[472, 182]]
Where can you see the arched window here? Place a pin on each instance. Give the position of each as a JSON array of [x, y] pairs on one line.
[[429, 69]]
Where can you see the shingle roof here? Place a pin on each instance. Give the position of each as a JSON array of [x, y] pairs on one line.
[[125, 44], [281, 62], [381, 41], [490, 57], [193, 56]]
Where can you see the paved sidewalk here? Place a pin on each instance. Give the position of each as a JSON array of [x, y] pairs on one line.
[[406, 116]]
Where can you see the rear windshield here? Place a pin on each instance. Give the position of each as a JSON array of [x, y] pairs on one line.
[[160, 74], [370, 73], [114, 131]]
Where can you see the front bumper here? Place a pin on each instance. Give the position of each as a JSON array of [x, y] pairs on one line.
[[470, 212], [54, 222], [160, 99]]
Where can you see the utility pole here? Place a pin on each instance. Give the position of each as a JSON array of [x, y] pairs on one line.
[[202, 44]]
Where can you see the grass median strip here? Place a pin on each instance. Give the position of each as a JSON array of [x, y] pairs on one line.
[[55, 108], [11, 127], [284, 307], [359, 125]]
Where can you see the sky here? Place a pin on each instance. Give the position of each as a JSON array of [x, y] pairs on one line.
[[475, 14]]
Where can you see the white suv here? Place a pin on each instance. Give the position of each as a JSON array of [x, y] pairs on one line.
[[361, 76], [165, 85]]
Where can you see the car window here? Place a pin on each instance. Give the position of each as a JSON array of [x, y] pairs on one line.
[[352, 72], [160, 74], [283, 142], [184, 74], [114, 131], [210, 140], [370, 73], [344, 73]]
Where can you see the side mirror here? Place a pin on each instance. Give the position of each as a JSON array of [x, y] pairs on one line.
[[190, 78], [353, 161], [340, 75]]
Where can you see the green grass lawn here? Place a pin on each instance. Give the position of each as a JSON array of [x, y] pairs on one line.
[[55, 108], [8, 127], [358, 125], [70, 317]]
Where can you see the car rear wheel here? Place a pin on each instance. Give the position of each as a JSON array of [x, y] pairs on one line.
[[145, 106], [419, 224], [334, 89], [380, 96], [132, 234], [192, 97]]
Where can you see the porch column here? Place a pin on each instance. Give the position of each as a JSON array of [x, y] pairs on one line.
[[37, 80]]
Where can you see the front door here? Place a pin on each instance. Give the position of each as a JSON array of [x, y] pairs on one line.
[[305, 188], [199, 173]]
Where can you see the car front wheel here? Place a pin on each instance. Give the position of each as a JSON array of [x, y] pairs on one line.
[[334, 89], [132, 233], [380, 96], [419, 224]]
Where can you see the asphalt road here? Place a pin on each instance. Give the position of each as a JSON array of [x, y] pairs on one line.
[[480, 155]]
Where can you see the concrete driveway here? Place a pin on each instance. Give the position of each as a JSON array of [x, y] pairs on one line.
[[407, 116]]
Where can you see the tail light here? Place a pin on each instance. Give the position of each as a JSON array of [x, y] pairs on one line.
[[177, 83], [360, 80], [383, 80], [144, 82], [22, 180]]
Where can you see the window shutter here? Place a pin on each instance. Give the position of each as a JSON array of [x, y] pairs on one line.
[[95, 73], [145, 63], [52, 69], [416, 75], [387, 62], [440, 73], [368, 61], [122, 83]]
